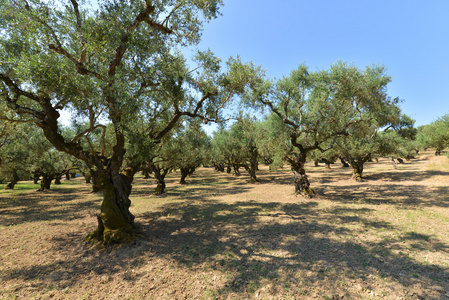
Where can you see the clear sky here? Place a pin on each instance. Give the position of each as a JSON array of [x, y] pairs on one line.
[[411, 38]]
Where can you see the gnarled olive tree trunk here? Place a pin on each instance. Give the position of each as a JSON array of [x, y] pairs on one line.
[[15, 179], [357, 166], [344, 163], [253, 165], [302, 184], [115, 221], [236, 168], [357, 170], [36, 176], [159, 174], [185, 172], [46, 181], [87, 177], [58, 179]]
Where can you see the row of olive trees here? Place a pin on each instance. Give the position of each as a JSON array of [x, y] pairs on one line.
[[434, 135], [118, 70], [25, 153], [120, 63], [247, 143]]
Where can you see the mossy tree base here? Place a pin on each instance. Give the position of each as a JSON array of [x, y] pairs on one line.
[[115, 222], [302, 184], [160, 189], [357, 177], [307, 193], [357, 167], [254, 180]]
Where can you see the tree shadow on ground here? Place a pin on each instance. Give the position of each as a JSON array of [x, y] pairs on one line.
[[295, 237], [56, 204], [394, 194], [254, 243]]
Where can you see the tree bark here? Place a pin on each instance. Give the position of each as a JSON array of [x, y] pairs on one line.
[[219, 167], [87, 177], [58, 179], [394, 163], [159, 174], [46, 181], [357, 168], [302, 184], [146, 174], [95, 187], [344, 163], [115, 221], [15, 179], [185, 172], [36, 176], [253, 165], [236, 168]]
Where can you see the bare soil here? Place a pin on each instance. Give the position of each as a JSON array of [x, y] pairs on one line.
[[219, 237]]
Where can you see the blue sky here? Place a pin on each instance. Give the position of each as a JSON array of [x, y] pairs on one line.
[[411, 38]]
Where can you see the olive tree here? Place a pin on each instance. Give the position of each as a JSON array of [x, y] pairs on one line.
[[318, 107], [117, 63], [15, 152], [435, 134]]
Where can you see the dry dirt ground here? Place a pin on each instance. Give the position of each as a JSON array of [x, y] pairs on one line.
[[219, 237]]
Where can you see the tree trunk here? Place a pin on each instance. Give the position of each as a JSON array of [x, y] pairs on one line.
[[228, 169], [357, 169], [146, 174], [328, 163], [67, 175], [46, 181], [302, 184], [58, 179], [15, 179], [159, 174], [87, 177], [236, 168], [219, 167], [316, 163], [72, 175], [344, 163], [115, 221], [95, 187], [184, 174], [253, 165], [36, 176]]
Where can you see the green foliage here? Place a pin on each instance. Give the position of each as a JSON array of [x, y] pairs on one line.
[[435, 134], [187, 148], [26, 150]]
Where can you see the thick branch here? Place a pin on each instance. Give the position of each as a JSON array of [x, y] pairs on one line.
[[80, 33], [123, 45]]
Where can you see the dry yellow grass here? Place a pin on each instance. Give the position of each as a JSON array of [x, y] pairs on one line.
[[220, 237]]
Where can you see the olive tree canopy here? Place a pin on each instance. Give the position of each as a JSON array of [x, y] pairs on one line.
[[119, 63]]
